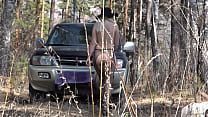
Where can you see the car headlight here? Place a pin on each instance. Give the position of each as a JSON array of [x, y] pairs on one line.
[[44, 60], [119, 63]]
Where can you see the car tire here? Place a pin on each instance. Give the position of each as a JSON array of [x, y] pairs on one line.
[[35, 95]]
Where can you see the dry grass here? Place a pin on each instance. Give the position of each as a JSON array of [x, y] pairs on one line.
[[18, 105]]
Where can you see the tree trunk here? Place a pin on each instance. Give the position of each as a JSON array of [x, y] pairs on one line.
[[17, 27], [135, 22], [125, 19], [140, 23], [191, 50], [148, 29], [130, 36], [148, 18], [148, 32], [52, 11], [67, 11], [175, 45], [6, 30], [111, 4], [202, 30], [153, 32], [42, 19], [183, 40], [154, 38], [37, 18], [75, 11]]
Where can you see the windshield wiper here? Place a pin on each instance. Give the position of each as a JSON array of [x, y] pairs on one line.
[[62, 29]]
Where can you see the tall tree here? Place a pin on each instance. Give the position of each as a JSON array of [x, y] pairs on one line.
[[111, 4], [178, 53], [75, 11], [131, 20], [42, 19], [202, 32], [140, 21], [184, 37], [37, 13], [17, 27], [149, 5], [125, 19], [6, 30], [175, 45], [52, 11], [154, 39], [133, 35], [148, 18], [67, 11]]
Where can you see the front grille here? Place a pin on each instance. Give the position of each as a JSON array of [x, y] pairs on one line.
[[80, 61]]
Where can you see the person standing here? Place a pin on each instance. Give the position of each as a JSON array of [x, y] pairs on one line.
[[105, 41]]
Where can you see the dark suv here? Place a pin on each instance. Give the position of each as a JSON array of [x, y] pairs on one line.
[[60, 62]]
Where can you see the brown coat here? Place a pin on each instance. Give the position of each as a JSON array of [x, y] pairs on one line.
[[110, 41]]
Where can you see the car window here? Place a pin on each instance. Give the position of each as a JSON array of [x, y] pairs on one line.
[[69, 35]]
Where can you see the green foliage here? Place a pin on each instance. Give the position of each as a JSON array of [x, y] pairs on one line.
[[63, 4], [28, 17], [26, 24], [19, 71], [200, 84]]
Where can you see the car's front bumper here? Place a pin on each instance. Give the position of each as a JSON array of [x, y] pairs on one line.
[[48, 84]]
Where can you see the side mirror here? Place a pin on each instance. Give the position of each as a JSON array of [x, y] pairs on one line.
[[39, 42], [129, 47]]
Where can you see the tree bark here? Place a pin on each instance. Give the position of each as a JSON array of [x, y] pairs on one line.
[[140, 23], [125, 19], [111, 4], [184, 38], [75, 11], [67, 11], [175, 44], [202, 30], [130, 36], [6, 30], [42, 19], [52, 11], [154, 37], [37, 13], [17, 28], [148, 29]]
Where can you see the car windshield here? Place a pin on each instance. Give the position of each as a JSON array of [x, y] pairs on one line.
[[70, 35]]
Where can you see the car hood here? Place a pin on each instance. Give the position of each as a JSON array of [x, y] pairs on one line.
[[62, 51]]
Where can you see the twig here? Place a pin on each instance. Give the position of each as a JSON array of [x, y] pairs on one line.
[[91, 85], [137, 82], [9, 85], [127, 97]]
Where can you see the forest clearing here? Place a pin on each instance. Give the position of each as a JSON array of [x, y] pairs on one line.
[[167, 69], [18, 104]]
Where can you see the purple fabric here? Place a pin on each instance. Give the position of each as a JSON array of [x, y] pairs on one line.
[[73, 77]]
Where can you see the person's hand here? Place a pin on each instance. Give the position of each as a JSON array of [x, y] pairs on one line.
[[88, 61]]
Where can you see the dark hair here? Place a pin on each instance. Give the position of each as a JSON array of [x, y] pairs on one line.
[[107, 13]]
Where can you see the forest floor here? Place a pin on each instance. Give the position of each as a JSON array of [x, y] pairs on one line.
[[18, 105]]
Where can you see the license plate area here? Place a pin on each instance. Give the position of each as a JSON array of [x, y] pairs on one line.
[[74, 77]]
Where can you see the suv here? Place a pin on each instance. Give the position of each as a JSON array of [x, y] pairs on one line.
[[60, 62]]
